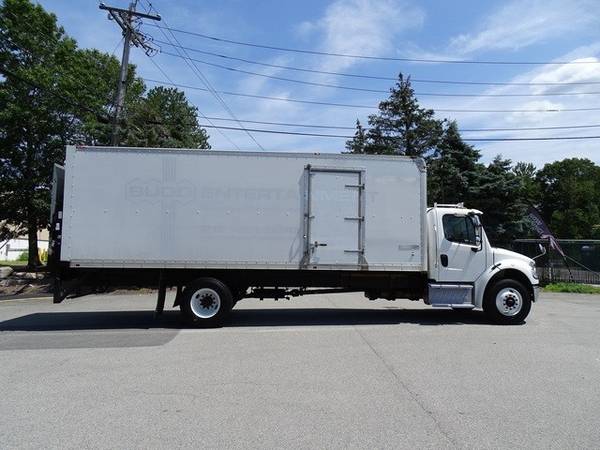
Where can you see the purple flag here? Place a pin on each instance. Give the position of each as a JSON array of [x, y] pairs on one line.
[[542, 229]]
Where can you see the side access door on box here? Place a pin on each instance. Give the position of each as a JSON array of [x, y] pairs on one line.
[[334, 218]]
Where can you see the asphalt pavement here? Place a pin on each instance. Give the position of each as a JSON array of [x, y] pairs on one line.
[[329, 371]]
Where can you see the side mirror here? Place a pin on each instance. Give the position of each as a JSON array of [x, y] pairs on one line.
[[478, 233]]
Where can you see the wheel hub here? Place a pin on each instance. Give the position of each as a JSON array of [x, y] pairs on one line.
[[205, 303], [509, 302]]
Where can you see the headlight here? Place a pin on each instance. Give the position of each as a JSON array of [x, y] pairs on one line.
[[533, 269]]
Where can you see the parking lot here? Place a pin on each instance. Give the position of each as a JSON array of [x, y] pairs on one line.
[[331, 371]]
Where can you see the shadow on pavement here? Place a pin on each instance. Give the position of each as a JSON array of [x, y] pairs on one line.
[[61, 330], [91, 320], [352, 316], [122, 329], [122, 320]]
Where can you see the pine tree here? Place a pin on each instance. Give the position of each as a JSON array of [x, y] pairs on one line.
[[401, 127], [497, 194], [358, 143], [454, 170]]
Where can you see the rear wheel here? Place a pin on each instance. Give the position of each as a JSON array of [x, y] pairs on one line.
[[507, 302], [206, 303]]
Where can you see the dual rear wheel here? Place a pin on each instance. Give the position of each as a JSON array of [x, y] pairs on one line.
[[206, 303]]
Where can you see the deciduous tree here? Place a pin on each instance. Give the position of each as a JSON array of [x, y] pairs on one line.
[[53, 94], [164, 118], [570, 197]]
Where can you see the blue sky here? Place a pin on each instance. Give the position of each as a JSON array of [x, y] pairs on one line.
[[514, 30]]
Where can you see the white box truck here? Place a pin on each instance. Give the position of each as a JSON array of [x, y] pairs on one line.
[[223, 226]]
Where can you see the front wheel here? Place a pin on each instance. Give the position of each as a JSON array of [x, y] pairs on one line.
[[206, 303], [507, 302]]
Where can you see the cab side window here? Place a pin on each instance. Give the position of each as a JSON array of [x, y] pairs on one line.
[[459, 229]]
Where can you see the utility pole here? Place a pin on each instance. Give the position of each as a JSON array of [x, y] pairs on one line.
[[127, 19]]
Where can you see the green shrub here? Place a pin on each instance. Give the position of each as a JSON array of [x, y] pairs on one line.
[[23, 256], [575, 288]]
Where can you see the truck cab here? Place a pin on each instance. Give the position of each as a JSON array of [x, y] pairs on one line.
[[465, 271]]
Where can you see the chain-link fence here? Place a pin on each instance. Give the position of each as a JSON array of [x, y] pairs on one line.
[[581, 263]]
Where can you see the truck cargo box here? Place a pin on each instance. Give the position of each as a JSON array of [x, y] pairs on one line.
[[176, 208]]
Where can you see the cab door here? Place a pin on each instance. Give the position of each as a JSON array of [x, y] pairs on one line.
[[461, 248]]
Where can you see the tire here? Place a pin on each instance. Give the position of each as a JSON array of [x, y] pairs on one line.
[[206, 303], [507, 302]]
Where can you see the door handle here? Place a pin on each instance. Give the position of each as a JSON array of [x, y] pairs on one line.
[[444, 260], [316, 244]]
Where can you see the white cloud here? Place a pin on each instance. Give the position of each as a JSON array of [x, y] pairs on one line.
[[521, 23], [347, 26], [362, 27], [571, 73], [539, 152]]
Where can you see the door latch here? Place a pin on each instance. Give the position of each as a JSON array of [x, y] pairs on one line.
[[444, 260], [318, 244]]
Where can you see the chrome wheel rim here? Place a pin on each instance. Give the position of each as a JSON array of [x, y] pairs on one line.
[[509, 302], [205, 303]]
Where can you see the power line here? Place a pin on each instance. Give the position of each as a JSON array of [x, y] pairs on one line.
[[371, 57], [117, 46], [565, 127], [149, 10], [359, 106], [105, 119], [376, 77], [200, 112], [561, 138], [213, 91], [293, 133], [284, 124], [131, 36], [352, 88], [205, 80], [296, 133], [471, 130], [274, 77], [99, 115], [263, 97]]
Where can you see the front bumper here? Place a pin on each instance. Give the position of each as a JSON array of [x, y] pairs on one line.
[[536, 292]]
